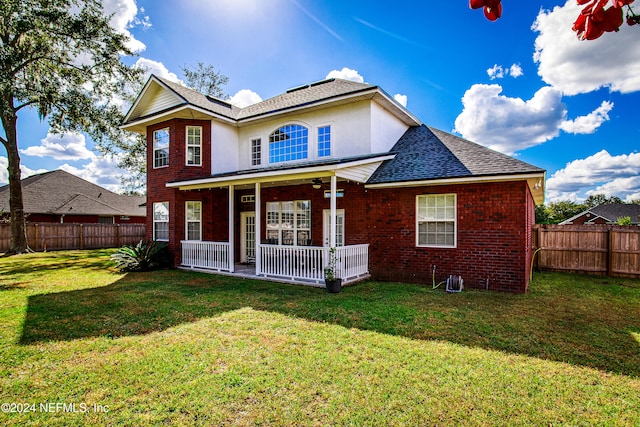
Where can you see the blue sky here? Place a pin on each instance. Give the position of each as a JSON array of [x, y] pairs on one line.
[[523, 85]]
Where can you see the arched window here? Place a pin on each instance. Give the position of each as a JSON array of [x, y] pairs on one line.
[[289, 142]]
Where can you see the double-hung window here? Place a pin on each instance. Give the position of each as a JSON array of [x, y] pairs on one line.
[[289, 223], [324, 141], [256, 152], [193, 220], [436, 220], [161, 148], [194, 146], [161, 221]]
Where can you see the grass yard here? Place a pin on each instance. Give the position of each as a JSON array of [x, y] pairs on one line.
[[83, 345]]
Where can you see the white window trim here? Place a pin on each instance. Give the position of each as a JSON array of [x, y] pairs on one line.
[[311, 144], [317, 142], [187, 146], [153, 143], [295, 228], [455, 222], [153, 218], [261, 158], [187, 221]]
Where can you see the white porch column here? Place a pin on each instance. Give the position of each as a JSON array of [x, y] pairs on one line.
[[232, 233], [258, 226], [332, 220]]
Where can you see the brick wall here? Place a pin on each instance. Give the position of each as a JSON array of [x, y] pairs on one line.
[[177, 170], [494, 225]]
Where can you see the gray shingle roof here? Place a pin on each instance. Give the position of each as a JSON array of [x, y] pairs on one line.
[[425, 153], [614, 211], [296, 97], [197, 99], [60, 192]]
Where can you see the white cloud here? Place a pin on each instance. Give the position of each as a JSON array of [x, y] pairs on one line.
[[124, 15], [244, 98], [154, 67], [589, 123], [499, 72], [599, 173], [102, 171], [401, 99], [575, 66], [66, 146], [510, 124], [25, 172], [515, 71], [346, 74]]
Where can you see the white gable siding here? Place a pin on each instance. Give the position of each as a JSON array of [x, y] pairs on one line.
[[159, 100], [224, 148], [386, 129]]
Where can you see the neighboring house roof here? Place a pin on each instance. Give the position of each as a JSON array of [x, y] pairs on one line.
[[60, 192], [610, 213], [163, 97]]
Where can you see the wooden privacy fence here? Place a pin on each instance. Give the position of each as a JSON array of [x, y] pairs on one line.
[[55, 236], [610, 250]]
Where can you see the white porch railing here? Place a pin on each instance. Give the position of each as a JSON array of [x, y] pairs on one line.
[[352, 261], [307, 263], [294, 263], [210, 255]]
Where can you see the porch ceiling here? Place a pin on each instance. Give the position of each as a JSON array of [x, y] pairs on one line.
[[357, 171]]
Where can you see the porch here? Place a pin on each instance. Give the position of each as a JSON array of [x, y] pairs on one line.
[[296, 264]]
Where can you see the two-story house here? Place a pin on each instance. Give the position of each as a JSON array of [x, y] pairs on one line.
[[333, 164]]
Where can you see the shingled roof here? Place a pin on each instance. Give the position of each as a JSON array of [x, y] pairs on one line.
[[302, 96], [613, 211], [424, 153], [60, 192]]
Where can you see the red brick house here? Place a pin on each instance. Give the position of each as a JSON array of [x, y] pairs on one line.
[[61, 197], [267, 190]]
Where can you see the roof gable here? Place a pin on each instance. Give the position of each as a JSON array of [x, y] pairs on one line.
[[51, 192], [161, 97]]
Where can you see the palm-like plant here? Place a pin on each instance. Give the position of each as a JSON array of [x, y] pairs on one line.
[[145, 256]]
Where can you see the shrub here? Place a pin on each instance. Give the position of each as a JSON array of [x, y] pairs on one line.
[[145, 256]]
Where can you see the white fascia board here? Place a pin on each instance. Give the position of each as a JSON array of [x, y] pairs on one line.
[[367, 94], [274, 175], [461, 180], [156, 117]]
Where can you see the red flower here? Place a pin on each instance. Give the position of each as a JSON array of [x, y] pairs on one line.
[[492, 8]]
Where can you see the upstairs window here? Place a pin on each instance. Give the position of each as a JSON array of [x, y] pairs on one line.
[[290, 142], [436, 218], [256, 152], [194, 146], [161, 148], [324, 141]]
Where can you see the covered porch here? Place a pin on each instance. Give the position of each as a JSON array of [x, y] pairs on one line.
[[279, 236], [296, 264]]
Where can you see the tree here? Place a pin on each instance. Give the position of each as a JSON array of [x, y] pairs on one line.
[[203, 78], [61, 57], [592, 22], [601, 199], [206, 80]]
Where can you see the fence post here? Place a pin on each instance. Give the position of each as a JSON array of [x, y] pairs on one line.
[[81, 239], [609, 252], [117, 235]]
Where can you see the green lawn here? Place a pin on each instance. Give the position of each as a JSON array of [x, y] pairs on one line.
[[182, 348]]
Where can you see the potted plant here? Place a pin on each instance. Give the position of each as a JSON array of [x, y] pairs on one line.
[[332, 283]]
